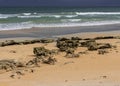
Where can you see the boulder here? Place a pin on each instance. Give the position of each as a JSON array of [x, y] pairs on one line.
[[67, 43]]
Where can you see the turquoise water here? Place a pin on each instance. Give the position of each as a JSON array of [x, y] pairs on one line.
[[21, 18]]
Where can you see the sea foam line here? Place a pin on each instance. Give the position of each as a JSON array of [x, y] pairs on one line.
[[98, 13], [28, 25], [55, 15]]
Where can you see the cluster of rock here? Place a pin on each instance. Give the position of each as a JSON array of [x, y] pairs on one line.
[[25, 42], [64, 43], [69, 45], [43, 55], [10, 65], [93, 45]]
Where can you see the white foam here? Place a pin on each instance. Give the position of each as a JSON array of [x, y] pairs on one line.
[[98, 13], [71, 20], [5, 16], [71, 16], [26, 14], [56, 16], [27, 25], [29, 16], [67, 15]]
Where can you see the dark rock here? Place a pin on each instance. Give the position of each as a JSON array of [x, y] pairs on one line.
[[104, 46], [102, 51]]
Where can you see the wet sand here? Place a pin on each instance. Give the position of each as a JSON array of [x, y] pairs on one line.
[[52, 32]]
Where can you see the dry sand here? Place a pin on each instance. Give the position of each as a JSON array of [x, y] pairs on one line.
[[90, 69]]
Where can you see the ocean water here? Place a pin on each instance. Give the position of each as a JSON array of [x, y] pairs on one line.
[[28, 17]]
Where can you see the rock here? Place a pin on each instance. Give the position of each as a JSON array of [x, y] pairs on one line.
[[40, 51], [104, 37], [12, 51], [104, 46], [12, 76], [2, 44], [92, 45], [68, 62], [10, 65], [47, 40], [70, 53], [62, 39], [76, 38], [7, 65], [84, 52], [7, 43], [50, 60], [102, 51], [33, 62], [26, 42], [64, 44], [87, 43]]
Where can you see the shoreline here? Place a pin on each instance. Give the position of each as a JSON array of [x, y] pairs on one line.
[[36, 32]]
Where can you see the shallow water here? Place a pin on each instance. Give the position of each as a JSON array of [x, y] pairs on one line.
[[20, 18]]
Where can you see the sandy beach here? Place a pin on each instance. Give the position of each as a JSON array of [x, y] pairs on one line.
[[90, 69]]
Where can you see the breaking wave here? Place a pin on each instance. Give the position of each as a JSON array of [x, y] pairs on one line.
[[67, 14], [61, 19], [28, 25]]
